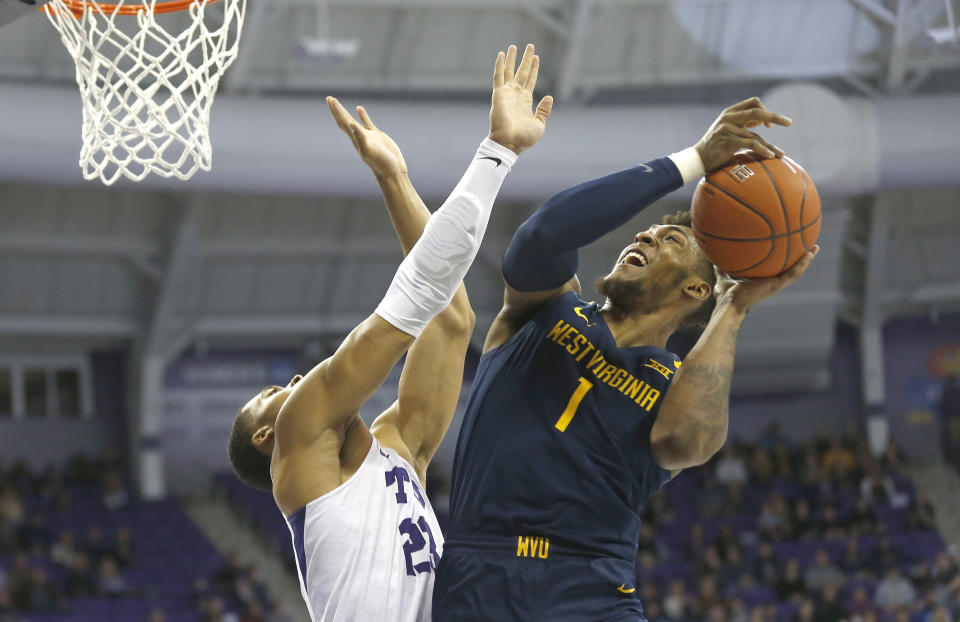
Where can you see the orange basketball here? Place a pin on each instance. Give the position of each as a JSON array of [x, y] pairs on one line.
[[755, 218]]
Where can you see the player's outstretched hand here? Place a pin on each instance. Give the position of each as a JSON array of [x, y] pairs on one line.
[[731, 133], [374, 146], [743, 295], [513, 122]]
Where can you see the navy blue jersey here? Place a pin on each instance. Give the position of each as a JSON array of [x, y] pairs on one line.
[[556, 436]]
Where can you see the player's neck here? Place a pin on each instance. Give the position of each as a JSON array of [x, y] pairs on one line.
[[639, 329]]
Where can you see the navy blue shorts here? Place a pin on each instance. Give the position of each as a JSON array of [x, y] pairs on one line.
[[485, 581]]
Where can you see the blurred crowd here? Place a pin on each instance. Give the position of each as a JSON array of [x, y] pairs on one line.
[[800, 555], [42, 570]]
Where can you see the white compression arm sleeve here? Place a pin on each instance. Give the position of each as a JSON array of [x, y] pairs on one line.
[[429, 276]]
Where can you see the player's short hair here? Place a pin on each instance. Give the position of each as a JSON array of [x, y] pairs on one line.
[[698, 318], [250, 464]]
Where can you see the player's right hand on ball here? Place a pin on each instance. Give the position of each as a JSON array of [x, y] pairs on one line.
[[730, 133], [377, 149], [513, 122]]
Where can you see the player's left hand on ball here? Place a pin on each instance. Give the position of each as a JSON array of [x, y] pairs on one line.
[[730, 133], [513, 121], [377, 149], [744, 294]]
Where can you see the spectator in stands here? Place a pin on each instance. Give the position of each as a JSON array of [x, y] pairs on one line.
[[830, 527], [156, 615], [709, 562], [940, 614], [771, 521], [678, 605], [790, 583], [731, 469], [802, 523], [875, 487], [922, 514], [823, 573], [860, 604], [110, 583], [123, 549], [773, 437], [806, 611], [94, 545], [115, 496], [20, 581], [11, 517], [894, 590], [33, 535], [215, 610], [946, 574], [63, 551], [709, 596], [653, 611], [695, 541], [852, 562], [861, 520], [885, 555], [838, 460], [829, 609], [44, 597], [711, 498], [716, 613], [80, 581], [765, 566], [761, 467], [734, 566]]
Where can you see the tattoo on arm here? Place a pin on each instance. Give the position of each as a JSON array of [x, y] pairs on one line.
[[713, 384]]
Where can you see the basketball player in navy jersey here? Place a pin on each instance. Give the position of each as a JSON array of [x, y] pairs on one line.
[[365, 536], [578, 414]]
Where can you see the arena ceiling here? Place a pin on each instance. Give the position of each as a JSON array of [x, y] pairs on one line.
[[597, 50]]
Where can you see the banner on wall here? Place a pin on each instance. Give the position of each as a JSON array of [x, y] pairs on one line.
[[202, 394], [922, 365]]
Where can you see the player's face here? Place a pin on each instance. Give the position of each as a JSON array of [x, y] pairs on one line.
[[656, 263], [265, 406]]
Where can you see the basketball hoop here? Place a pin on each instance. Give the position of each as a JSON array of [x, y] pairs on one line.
[[146, 90]]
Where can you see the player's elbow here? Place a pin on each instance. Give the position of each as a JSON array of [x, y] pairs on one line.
[[674, 450], [458, 320]]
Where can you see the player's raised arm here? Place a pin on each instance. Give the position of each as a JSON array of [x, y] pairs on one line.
[[321, 405], [541, 261], [432, 375], [692, 423]]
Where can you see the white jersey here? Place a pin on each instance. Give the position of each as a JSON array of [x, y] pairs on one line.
[[367, 550]]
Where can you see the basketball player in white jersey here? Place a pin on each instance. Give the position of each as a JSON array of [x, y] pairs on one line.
[[366, 539]]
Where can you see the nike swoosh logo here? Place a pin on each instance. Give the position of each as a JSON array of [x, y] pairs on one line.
[[497, 160], [623, 588], [585, 319], [645, 168]]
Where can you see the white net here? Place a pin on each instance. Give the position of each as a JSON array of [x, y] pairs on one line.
[[147, 90]]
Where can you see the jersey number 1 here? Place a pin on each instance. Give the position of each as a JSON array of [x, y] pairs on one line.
[[574, 403]]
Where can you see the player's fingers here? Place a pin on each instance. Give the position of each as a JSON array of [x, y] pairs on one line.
[[757, 138], [523, 71], [753, 102], [544, 108], [510, 63], [365, 118], [757, 116], [359, 138], [531, 83], [340, 114], [498, 69], [801, 266]]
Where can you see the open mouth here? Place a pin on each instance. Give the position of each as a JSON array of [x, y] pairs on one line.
[[634, 258]]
